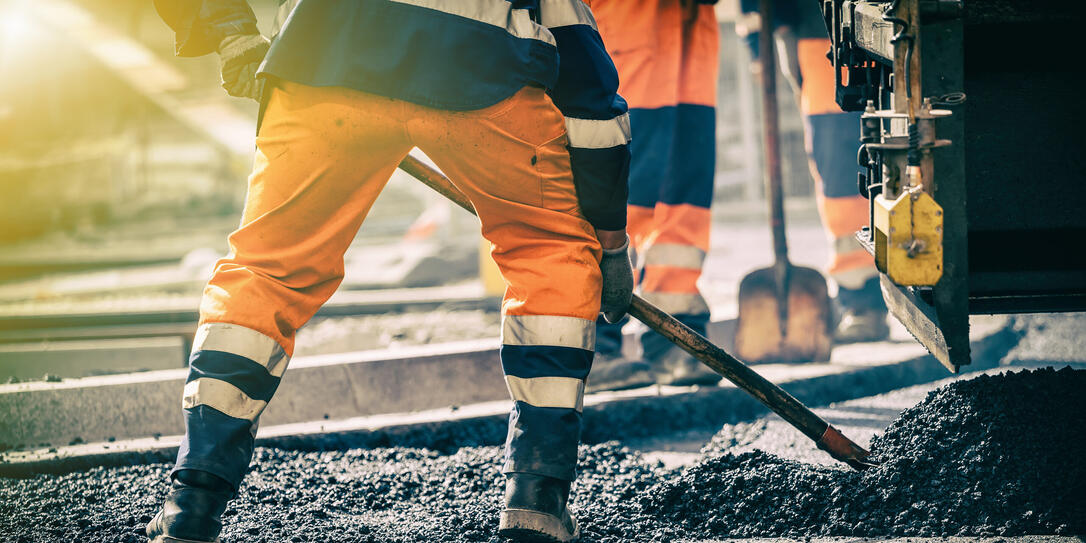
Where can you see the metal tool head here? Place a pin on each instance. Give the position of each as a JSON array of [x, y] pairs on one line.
[[798, 331], [845, 450]]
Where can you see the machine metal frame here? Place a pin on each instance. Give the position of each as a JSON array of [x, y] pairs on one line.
[[1007, 168]]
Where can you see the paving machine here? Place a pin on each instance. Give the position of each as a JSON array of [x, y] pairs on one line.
[[972, 155]]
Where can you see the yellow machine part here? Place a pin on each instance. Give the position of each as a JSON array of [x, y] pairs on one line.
[[491, 276], [909, 238]]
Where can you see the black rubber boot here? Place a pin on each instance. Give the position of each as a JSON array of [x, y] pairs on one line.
[[618, 373], [677, 367], [193, 509], [861, 314], [535, 510]]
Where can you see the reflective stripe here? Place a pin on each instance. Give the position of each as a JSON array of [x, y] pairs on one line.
[[846, 244], [286, 9], [563, 392], [674, 255], [499, 13], [855, 278], [590, 134], [555, 13], [548, 330], [677, 304], [223, 397], [242, 341]]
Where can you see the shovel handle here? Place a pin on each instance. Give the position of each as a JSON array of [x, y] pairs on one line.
[[774, 397], [774, 193]]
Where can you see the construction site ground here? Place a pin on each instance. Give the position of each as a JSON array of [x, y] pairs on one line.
[[992, 456], [382, 463]]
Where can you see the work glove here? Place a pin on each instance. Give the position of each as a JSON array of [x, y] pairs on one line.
[[240, 56], [618, 282]]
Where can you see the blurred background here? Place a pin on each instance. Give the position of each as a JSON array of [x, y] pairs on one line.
[[122, 170]]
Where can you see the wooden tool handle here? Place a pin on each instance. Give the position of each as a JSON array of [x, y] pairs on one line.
[[773, 396], [774, 193]]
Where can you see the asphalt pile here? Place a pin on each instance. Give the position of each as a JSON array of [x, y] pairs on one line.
[[995, 455]]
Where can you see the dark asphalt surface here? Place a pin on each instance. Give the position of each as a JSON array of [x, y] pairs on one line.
[[988, 456]]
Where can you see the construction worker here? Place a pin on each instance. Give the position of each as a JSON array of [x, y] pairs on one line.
[[666, 53], [517, 102], [832, 137]]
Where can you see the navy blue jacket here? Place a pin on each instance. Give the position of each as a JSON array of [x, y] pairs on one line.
[[452, 55]]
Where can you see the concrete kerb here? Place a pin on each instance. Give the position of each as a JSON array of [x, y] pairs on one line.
[[136, 405], [338, 386], [607, 416]]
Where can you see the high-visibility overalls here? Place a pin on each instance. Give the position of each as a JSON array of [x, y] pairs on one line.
[[538, 145]]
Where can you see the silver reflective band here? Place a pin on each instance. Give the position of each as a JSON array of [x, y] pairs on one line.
[[677, 304], [590, 134], [242, 341], [286, 9], [562, 392], [674, 255], [223, 397], [555, 13], [549, 330], [854, 279], [499, 13], [847, 244]]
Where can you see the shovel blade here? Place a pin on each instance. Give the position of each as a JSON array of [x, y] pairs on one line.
[[807, 336]]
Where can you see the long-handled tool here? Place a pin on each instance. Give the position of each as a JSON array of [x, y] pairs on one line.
[[790, 409], [784, 310]]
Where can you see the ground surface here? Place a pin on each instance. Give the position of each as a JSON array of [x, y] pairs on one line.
[[992, 455]]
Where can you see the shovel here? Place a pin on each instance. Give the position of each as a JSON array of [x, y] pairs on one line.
[[784, 310], [826, 437]]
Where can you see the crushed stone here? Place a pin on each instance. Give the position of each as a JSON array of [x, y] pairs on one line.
[[990, 456]]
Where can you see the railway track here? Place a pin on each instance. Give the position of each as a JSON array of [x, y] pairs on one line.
[[177, 316]]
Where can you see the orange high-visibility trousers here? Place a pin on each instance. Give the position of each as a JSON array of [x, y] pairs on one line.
[[323, 156], [830, 136], [666, 53]]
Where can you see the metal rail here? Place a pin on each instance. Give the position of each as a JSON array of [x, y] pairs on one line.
[[122, 324]]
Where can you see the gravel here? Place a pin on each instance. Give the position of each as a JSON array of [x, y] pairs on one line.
[[994, 455]]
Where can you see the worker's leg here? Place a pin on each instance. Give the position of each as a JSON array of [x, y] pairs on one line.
[[674, 253], [644, 40], [323, 156], [511, 161], [832, 137]]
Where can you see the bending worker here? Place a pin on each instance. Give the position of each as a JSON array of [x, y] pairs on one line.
[[666, 52], [832, 137], [518, 104]]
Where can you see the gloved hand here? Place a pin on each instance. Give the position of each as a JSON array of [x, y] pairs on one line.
[[240, 56], [618, 282]]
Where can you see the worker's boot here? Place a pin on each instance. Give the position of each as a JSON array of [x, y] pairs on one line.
[[193, 509], [676, 367], [861, 325], [616, 372], [535, 510], [861, 314]]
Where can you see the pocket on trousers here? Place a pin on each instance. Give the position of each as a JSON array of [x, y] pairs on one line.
[[556, 176]]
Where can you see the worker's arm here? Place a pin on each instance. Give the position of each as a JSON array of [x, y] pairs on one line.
[[596, 120], [598, 129], [201, 25], [227, 27]]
